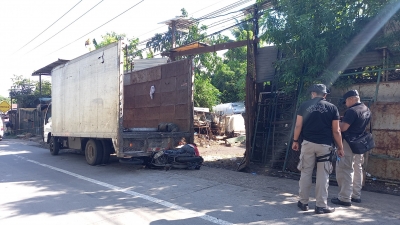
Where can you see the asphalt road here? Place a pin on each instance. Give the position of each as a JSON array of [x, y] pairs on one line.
[[37, 188]]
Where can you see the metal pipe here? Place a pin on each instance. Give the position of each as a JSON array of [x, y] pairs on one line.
[[292, 128], [377, 85]]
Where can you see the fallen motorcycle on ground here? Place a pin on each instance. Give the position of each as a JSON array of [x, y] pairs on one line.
[[186, 157]]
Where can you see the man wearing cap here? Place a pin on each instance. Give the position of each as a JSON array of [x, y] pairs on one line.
[[317, 121], [349, 169]]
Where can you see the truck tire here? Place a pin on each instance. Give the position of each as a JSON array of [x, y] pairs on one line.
[[107, 149], [54, 145], [94, 152]]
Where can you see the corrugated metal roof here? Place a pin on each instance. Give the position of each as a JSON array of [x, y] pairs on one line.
[[189, 47], [47, 69], [374, 58]]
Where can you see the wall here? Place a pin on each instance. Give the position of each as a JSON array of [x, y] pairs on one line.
[[384, 159]]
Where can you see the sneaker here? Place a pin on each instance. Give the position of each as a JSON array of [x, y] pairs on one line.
[[339, 202], [356, 200], [322, 210], [302, 206]]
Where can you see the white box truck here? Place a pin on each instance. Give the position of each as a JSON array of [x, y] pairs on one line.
[[98, 108]]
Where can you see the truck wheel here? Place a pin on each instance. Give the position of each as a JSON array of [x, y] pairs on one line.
[[54, 145], [107, 149], [93, 152]]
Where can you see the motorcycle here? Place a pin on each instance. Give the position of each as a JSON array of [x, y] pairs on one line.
[[186, 157]]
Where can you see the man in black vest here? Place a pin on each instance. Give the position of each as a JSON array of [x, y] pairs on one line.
[[317, 121], [349, 168]]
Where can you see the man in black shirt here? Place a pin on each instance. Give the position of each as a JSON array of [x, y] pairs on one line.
[[317, 121], [349, 168]]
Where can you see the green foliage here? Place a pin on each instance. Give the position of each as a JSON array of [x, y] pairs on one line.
[[2, 98], [26, 93], [132, 44], [216, 79], [312, 33], [46, 89], [205, 94], [107, 39], [230, 75]]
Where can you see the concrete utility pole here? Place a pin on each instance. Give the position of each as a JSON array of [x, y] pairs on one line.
[[173, 30], [177, 24]]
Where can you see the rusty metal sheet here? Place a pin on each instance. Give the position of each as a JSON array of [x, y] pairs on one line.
[[389, 92], [387, 143], [146, 75], [373, 58], [386, 116], [384, 168], [169, 104], [384, 161]]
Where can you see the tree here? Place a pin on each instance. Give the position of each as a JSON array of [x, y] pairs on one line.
[[230, 76], [112, 37], [205, 94], [22, 92], [46, 89], [311, 34], [2, 98]]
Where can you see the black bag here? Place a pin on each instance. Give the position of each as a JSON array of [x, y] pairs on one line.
[[330, 157], [362, 143]]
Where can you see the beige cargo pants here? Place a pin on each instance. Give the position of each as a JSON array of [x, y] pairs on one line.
[[309, 152], [349, 174]]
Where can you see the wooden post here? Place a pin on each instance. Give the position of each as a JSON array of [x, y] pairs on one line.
[[251, 92]]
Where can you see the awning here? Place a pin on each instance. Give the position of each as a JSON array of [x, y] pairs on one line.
[[47, 69]]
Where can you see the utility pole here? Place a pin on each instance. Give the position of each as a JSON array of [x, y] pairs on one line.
[[255, 28], [177, 24], [173, 30], [252, 89]]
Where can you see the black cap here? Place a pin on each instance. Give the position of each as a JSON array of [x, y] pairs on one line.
[[348, 94], [319, 88]]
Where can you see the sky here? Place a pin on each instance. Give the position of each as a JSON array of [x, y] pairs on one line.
[[27, 27]]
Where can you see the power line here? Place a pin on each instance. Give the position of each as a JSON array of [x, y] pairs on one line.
[[99, 26], [207, 7], [141, 42], [66, 26], [211, 15], [49, 26], [217, 32]]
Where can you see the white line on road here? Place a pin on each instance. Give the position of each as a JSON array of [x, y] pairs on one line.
[[135, 194]]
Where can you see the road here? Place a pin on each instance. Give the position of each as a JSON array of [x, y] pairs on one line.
[[37, 188]]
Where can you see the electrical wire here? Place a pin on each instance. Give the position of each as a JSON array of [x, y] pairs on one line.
[[217, 32], [165, 24], [98, 27], [214, 24], [66, 26], [206, 7], [225, 9], [211, 15], [49, 26]]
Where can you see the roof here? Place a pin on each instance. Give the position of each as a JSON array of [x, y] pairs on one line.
[[181, 23], [47, 69], [188, 47]]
